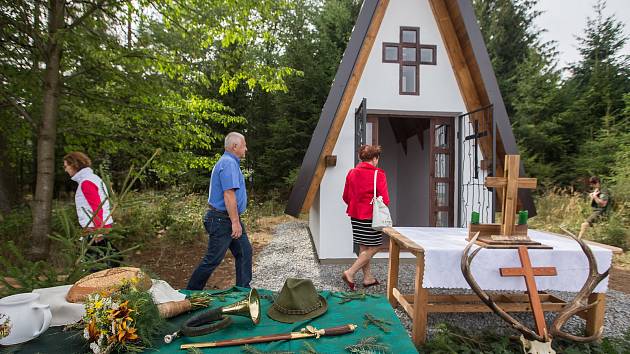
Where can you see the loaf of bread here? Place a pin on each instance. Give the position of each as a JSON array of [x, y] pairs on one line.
[[106, 279]]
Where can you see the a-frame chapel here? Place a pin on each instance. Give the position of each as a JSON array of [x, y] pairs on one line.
[[416, 79]]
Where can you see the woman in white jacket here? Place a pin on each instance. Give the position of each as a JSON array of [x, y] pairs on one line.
[[91, 199]]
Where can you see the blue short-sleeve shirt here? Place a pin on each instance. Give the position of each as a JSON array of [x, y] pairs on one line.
[[227, 174]]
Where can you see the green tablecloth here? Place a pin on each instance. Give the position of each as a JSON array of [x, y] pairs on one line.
[[56, 341]]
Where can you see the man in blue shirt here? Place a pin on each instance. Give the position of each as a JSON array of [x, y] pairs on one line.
[[227, 200]]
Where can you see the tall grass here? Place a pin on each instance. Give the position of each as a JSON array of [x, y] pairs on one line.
[[558, 209]]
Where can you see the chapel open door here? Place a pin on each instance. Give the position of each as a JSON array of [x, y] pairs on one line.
[[360, 128], [442, 170]]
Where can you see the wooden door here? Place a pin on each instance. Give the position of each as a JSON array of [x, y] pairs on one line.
[[360, 127], [442, 169]]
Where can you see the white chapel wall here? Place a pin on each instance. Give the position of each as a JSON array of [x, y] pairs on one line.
[[314, 221], [379, 84]]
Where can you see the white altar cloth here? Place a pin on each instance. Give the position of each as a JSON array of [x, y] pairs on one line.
[[443, 249]]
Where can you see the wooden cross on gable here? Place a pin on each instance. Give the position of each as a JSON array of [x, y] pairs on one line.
[[409, 54], [510, 183]]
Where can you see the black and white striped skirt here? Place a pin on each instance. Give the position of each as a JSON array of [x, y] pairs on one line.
[[364, 234]]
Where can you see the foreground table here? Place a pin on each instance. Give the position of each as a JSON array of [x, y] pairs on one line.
[[448, 244], [56, 341]]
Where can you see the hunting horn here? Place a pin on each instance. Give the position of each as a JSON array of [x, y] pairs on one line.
[[217, 318], [249, 307]]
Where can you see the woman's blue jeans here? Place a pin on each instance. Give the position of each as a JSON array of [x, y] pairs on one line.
[[219, 228]]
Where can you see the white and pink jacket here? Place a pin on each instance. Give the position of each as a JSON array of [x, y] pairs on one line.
[[88, 198]]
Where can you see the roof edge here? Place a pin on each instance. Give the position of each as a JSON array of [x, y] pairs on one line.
[[331, 106]]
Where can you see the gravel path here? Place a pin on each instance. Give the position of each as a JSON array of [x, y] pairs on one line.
[[290, 254]]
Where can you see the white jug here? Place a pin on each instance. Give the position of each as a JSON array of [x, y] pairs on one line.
[[24, 317]]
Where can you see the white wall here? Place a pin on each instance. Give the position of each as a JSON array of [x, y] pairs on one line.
[[314, 220], [379, 84]]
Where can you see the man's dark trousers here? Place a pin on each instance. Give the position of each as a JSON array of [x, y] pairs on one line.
[[219, 228]]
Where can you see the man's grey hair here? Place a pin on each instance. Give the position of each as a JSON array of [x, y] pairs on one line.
[[233, 138]]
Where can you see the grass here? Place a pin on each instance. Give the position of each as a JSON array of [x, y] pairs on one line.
[[558, 209]]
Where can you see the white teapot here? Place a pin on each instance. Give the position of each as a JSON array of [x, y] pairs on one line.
[[22, 318]]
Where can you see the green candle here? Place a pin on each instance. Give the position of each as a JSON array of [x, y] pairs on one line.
[[522, 217], [474, 218]]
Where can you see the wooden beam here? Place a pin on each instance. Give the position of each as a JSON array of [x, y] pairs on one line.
[[403, 241], [481, 307], [456, 56], [420, 305], [404, 303], [595, 315], [501, 182], [331, 160], [511, 194], [518, 272], [348, 95], [393, 269]]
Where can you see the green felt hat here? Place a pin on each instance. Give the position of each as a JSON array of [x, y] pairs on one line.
[[298, 300]]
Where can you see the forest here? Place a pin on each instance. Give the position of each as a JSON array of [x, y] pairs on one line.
[[124, 80], [149, 89]]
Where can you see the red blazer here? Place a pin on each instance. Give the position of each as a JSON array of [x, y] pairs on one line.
[[359, 190]]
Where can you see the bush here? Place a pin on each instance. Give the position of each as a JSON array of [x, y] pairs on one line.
[[451, 339]]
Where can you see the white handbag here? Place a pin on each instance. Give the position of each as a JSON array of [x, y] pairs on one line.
[[380, 213]]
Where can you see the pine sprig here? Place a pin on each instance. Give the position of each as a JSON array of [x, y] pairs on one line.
[[382, 324], [309, 349], [251, 350], [369, 345], [352, 296], [200, 300]]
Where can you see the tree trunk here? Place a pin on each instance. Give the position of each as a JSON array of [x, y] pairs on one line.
[[8, 180], [47, 133]]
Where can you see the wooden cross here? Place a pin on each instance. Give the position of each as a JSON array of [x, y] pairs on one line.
[[409, 54], [476, 136], [510, 183], [529, 272]]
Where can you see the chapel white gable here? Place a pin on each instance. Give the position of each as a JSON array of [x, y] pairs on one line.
[[380, 81]]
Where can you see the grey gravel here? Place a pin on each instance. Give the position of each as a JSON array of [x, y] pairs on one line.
[[291, 254]]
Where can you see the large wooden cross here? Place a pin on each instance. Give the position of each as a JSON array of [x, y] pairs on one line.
[[528, 272], [510, 183]]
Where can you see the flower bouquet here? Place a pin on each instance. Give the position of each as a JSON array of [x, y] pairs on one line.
[[121, 320], [125, 318]]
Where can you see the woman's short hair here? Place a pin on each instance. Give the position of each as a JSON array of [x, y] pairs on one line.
[[368, 152], [78, 160]]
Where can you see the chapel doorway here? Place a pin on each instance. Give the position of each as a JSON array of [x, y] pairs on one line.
[[418, 157]]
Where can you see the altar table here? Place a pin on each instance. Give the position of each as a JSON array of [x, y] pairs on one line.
[[438, 253]]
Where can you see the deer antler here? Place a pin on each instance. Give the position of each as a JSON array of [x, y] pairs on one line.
[[580, 302], [465, 264]]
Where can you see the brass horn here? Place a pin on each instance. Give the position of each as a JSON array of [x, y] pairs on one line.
[[216, 319], [249, 307]]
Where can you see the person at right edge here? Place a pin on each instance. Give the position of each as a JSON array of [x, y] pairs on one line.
[[358, 194], [600, 199], [227, 200]]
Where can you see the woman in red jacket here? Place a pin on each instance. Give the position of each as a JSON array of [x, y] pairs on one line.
[[358, 194]]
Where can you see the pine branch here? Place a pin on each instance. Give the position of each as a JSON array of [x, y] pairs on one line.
[[309, 349], [352, 296], [369, 345], [382, 324], [249, 349]]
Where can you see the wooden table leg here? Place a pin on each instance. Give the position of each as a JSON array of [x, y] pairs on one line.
[[595, 316], [392, 276], [420, 304]]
